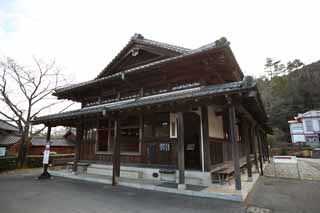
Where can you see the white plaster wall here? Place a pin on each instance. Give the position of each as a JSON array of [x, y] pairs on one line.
[[215, 123]]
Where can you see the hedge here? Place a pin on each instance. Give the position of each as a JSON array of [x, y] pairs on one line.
[[34, 161], [8, 163]]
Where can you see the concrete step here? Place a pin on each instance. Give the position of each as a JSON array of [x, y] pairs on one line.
[[107, 170]]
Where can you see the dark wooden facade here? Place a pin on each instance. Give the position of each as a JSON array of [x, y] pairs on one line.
[[159, 105]]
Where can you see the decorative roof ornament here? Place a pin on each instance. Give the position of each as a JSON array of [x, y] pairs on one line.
[[137, 36]]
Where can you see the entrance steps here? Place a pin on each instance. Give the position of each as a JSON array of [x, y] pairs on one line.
[[101, 169], [154, 174]]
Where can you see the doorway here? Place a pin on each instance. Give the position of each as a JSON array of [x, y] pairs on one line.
[[192, 145]]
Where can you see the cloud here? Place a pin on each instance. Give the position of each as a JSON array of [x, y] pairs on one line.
[[83, 36]]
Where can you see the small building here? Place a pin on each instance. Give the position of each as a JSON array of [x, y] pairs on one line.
[[305, 129], [60, 144], [9, 138], [159, 107], [296, 132]]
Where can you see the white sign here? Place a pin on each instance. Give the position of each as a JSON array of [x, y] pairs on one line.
[[285, 159], [2, 151], [46, 154]]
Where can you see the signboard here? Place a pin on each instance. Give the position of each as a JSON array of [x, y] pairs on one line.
[[285, 159], [2, 151], [46, 154]]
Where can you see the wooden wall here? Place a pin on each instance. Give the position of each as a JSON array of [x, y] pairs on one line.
[[88, 152]]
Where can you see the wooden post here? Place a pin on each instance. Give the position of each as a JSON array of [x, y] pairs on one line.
[[253, 140], [259, 149], [45, 174], [206, 145], [233, 141], [141, 131], [245, 139], [79, 134], [116, 153], [268, 153], [180, 131]]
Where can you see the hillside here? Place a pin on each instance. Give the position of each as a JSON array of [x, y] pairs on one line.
[[287, 95]]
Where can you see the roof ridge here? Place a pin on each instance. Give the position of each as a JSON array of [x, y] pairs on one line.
[[137, 37], [176, 48], [217, 44]]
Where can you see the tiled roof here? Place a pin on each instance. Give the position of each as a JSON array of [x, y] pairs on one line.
[[9, 139], [41, 141], [6, 126], [183, 53], [202, 91]]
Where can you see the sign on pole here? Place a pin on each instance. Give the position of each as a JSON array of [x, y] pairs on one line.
[[46, 154]]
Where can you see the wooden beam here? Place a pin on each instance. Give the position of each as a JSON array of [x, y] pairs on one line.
[[259, 149], [181, 163], [205, 138], [233, 141], [116, 153]]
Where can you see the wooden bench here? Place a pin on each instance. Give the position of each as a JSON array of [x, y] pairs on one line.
[[225, 173], [61, 161], [82, 167]]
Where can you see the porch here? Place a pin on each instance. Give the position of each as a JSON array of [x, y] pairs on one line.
[[199, 129], [226, 191]]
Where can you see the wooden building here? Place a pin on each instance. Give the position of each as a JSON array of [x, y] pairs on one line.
[[59, 144], [10, 138], [166, 107]]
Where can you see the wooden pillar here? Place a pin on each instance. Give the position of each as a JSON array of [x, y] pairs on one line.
[[254, 146], [79, 134], [181, 165], [233, 141], [259, 149], [205, 138], [246, 141], [141, 131], [116, 153], [268, 153]]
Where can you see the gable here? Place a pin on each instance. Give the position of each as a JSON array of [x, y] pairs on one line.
[[138, 52], [136, 56]]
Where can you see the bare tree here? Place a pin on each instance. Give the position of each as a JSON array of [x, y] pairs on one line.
[[25, 93]]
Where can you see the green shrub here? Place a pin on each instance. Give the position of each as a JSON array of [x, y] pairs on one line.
[[35, 161], [284, 151], [8, 163]]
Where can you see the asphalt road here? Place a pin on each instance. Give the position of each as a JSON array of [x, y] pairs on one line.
[[286, 195], [22, 192]]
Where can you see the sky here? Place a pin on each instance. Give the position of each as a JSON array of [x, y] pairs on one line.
[[84, 36]]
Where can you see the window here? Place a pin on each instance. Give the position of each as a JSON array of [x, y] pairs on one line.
[[129, 140], [309, 126], [147, 126], [90, 134], [162, 125], [103, 140]]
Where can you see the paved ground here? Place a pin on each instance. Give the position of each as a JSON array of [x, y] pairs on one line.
[[286, 195], [309, 169], [21, 192]]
